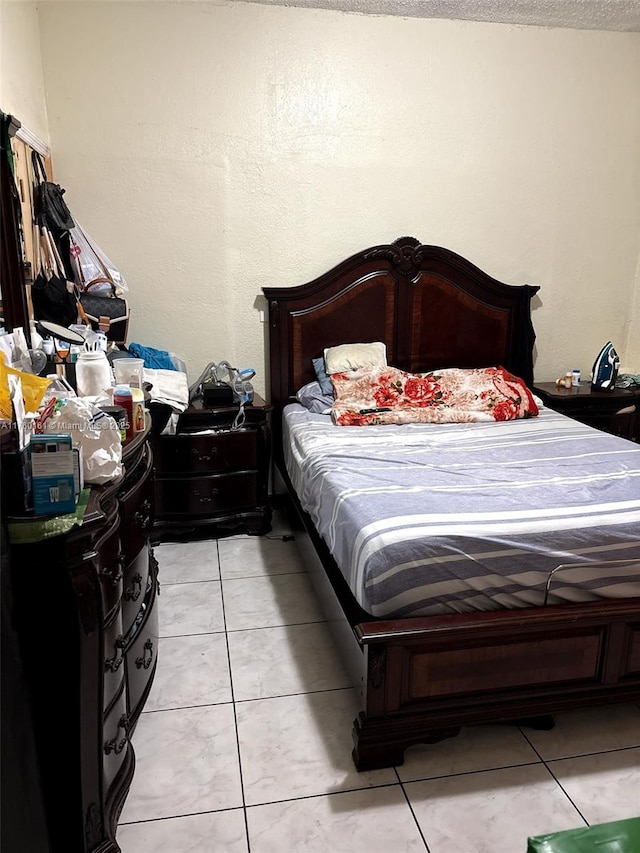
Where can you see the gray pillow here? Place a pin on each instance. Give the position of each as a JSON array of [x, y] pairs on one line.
[[311, 397], [322, 376]]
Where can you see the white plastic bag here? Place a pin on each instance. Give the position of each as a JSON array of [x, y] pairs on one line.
[[97, 434], [94, 270]]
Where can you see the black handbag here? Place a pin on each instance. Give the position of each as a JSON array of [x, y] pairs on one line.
[[108, 314], [53, 301], [50, 209]]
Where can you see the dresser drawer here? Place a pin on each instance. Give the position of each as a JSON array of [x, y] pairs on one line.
[[136, 508], [133, 587], [110, 563], [113, 653], [115, 743], [204, 496], [218, 451], [142, 654]]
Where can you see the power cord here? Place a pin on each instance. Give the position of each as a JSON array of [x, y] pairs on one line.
[[240, 418]]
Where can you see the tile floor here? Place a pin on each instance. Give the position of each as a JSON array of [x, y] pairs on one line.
[[244, 745]]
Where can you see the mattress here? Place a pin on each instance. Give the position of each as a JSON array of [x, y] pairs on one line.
[[428, 519]]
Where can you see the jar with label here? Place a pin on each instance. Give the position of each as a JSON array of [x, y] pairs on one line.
[[93, 373], [138, 409]]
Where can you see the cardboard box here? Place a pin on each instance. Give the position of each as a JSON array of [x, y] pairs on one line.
[[52, 474]]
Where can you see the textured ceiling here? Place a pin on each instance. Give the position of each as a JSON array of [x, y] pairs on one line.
[[576, 14]]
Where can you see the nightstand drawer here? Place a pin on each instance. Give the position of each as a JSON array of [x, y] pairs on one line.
[[204, 496], [217, 451], [614, 411], [622, 425]]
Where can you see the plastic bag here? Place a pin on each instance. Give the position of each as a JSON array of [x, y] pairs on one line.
[[97, 434], [622, 836], [94, 270], [33, 389]]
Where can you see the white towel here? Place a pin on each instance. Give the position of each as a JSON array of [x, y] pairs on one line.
[[168, 386]]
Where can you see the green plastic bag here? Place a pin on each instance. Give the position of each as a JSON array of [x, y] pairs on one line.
[[621, 836]]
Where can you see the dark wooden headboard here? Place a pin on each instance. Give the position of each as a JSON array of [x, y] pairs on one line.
[[430, 306]]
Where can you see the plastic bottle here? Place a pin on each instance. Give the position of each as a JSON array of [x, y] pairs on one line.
[[36, 337], [93, 373], [575, 381], [122, 396]]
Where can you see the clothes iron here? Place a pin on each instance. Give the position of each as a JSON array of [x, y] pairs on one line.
[[605, 369]]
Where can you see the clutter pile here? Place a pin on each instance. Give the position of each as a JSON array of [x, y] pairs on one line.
[[72, 390]]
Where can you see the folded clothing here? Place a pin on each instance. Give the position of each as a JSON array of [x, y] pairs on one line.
[[168, 386], [153, 358]]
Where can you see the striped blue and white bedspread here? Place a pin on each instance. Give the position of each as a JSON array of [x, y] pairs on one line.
[[429, 519]]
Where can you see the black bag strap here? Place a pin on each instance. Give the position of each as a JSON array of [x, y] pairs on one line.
[[39, 171]]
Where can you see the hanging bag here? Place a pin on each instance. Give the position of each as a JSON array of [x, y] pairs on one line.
[[52, 296], [99, 301], [50, 209], [92, 266]]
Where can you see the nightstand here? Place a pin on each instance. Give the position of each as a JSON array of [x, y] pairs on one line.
[[210, 479], [617, 411]]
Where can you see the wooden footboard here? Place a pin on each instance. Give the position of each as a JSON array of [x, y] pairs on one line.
[[427, 677]]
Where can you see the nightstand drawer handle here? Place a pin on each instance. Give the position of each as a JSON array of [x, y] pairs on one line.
[[205, 499], [202, 457]]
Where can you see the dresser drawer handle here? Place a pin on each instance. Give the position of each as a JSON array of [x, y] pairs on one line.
[[144, 661], [113, 664], [132, 593], [117, 577], [143, 516], [203, 457], [115, 745]]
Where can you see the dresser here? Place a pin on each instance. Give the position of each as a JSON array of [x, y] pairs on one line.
[[85, 615], [212, 478], [617, 411]]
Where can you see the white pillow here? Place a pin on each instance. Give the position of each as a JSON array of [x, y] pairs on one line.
[[354, 356]]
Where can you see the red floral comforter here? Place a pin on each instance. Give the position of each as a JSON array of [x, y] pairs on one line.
[[386, 395]]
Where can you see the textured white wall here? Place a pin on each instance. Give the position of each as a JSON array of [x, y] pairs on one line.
[[214, 148], [21, 80], [631, 352]]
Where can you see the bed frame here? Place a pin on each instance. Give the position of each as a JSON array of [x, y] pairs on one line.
[[420, 679]]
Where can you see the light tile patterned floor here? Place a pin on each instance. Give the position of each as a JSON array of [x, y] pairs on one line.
[[244, 745]]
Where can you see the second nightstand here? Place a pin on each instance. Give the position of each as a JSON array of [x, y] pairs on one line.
[[212, 478], [614, 411]]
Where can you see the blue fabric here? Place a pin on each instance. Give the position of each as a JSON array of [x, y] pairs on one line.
[[322, 376], [158, 359]]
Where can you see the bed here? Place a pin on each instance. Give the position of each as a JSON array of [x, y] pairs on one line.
[[553, 635]]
